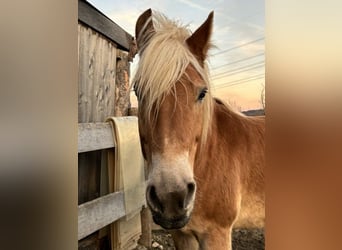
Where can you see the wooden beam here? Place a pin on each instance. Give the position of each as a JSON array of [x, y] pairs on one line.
[[146, 228], [97, 57], [95, 136], [98, 213], [92, 17]]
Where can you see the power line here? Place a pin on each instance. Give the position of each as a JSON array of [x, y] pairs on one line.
[[236, 47], [226, 86], [241, 71], [237, 61], [238, 70], [240, 81]]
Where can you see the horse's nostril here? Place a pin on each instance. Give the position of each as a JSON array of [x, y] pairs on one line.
[[153, 199], [181, 204], [190, 194], [191, 188]]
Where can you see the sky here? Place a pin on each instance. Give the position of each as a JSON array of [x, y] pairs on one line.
[[237, 63]]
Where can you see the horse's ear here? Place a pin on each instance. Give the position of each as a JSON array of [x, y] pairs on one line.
[[144, 28], [199, 41]]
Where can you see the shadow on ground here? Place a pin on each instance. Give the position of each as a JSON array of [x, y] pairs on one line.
[[243, 239]]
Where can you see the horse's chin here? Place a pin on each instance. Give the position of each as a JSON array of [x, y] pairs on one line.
[[174, 223]]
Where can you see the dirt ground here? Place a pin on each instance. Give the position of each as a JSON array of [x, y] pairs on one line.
[[243, 239]]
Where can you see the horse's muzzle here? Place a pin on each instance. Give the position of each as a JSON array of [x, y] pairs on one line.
[[174, 223], [171, 210]]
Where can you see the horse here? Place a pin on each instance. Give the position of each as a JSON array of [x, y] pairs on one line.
[[205, 160]]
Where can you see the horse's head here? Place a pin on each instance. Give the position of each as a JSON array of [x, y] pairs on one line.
[[171, 84]]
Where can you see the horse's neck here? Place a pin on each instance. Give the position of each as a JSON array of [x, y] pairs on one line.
[[227, 142], [229, 129], [230, 166], [222, 122], [235, 144], [217, 167]]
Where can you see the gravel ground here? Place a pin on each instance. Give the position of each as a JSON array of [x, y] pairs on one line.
[[243, 239]]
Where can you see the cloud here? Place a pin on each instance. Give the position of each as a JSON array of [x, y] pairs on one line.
[[193, 5], [125, 19]]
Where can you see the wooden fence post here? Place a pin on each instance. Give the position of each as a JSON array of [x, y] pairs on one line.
[[146, 229]]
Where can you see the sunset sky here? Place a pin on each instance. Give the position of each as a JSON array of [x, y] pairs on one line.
[[237, 64]]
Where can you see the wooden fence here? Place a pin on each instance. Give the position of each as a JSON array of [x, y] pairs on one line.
[[103, 87], [98, 213]]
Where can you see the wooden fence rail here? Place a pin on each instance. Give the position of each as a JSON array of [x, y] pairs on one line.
[[98, 213], [95, 136]]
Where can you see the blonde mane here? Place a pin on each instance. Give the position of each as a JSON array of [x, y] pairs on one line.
[[163, 61]]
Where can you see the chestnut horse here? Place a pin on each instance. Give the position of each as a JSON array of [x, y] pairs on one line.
[[205, 161]]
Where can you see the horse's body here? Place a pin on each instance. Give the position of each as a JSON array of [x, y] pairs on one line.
[[206, 161]]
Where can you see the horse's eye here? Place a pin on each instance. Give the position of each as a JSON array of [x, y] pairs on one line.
[[202, 94]]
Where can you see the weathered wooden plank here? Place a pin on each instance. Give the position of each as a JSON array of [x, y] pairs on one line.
[[95, 136], [89, 15], [90, 242], [97, 70], [83, 79], [146, 228], [99, 213], [104, 188], [89, 172]]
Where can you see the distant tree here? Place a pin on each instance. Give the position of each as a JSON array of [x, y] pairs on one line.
[[262, 96]]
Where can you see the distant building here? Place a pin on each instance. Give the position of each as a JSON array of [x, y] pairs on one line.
[[254, 112]]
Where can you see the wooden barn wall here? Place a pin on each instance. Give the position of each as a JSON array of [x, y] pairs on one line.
[[97, 69]]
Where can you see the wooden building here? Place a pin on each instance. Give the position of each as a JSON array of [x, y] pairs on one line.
[[103, 91]]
